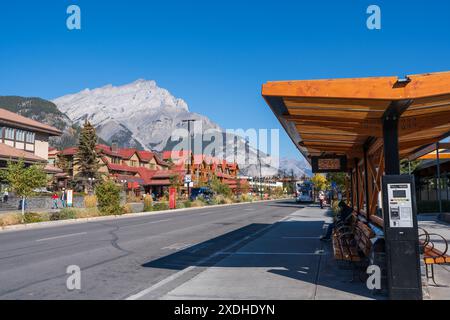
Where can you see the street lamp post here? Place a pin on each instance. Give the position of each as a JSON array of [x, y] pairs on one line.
[[260, 177], [189, 151], [91, 180]]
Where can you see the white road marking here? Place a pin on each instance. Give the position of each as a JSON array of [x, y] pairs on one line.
[[200, 262], [177, 246], [157, 221], [62, 236]]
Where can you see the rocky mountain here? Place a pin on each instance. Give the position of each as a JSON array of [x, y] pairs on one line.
[[143, 115], [139, 114], [295, 167]]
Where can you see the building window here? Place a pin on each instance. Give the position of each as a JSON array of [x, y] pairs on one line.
[[30, 136], [20, 135], [115, 160], [9, 133], [1, 132]]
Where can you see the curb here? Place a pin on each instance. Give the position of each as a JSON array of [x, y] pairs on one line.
[[46, 224]]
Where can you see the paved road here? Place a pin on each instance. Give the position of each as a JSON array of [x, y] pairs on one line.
[[124, 257]]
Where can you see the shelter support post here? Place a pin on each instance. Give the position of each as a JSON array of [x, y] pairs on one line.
[[367, 187], [402, 244], [438, 182], [357, 185]]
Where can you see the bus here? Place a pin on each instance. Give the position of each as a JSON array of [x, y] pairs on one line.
[[304, 191]]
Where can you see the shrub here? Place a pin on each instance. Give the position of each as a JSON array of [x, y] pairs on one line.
[[108, 196], [148, 203], [187, 203], [278, 192], [90, 201], [197, 203], [246, 198], [131, 197], [161, 206], [64, 214], [87, 213], [10, 219], [127, 208], [220, 188], [32, 217], [214, 201], [180, 205]]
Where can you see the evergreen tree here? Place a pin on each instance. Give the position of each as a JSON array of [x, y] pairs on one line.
[[62, 163], [87, 159]]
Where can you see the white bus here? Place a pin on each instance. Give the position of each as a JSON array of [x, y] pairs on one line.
[[304, 191]]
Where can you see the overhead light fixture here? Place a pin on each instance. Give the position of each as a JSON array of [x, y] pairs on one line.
[[404, 80]]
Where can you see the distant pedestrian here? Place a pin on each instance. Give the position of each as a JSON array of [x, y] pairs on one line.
[[321, 199], [5, 196], [64, 198], [55, 201]]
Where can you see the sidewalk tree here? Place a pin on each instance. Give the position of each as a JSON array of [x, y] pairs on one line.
[[62, 163], [406, 165], [87, 159], [108, 197], [23, 180], [219, 187], [320, 182], [338, 178], [176, 181]]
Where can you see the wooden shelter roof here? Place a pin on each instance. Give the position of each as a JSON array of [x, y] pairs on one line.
[[339, 116]]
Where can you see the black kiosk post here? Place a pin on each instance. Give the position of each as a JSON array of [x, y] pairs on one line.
[[399, 215], [401, 237]]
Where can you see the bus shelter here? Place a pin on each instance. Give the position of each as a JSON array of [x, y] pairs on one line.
[[365, 126]]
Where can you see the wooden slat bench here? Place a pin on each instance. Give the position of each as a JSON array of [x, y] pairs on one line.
[[352, 242], [431, 254]]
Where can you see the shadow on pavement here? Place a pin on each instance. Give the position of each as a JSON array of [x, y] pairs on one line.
[[290, 249]]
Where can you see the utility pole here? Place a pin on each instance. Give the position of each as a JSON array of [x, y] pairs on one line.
[[260, 177], [189, 152]]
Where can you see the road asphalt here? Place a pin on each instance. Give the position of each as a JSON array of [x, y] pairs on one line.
[[121, 258]]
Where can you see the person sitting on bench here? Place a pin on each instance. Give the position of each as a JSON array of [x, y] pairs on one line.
[[344, 213]]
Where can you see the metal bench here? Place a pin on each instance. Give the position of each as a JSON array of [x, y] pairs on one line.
[[433, 255]]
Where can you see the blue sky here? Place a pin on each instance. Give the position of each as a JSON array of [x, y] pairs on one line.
[[216, 54]]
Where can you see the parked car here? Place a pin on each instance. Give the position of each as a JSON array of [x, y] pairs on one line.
[[204, 192]]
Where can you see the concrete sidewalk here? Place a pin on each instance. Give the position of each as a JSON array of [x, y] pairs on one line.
[[442, 273], [287, 261]]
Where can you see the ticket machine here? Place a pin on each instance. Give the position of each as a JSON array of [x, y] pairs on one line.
[[401, 237]]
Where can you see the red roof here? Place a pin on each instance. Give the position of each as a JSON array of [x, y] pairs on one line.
[[123, 153], [164, 182], [121, 167], [145, 174], [69, 151], [126, 153]]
